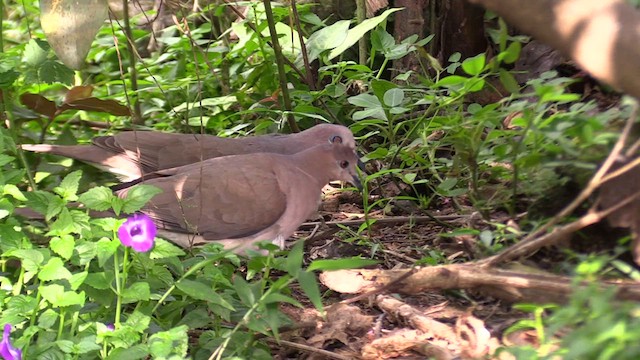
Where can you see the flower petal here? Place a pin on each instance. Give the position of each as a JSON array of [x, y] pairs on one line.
[[138, 232]]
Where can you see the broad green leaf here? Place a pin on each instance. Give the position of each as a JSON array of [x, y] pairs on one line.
[[354, 34], [5, 159], [139, 291], [31, 259], [195, 289], [244, 290], [47, 319], [55, 206], [35, 52], [511, 53], [138, 196], [68, 188], [341, 264], [54, 270], [374, 113], [39, 200], [394, 97], [10, 189], [57, 297], [87, 345], [78, 279], [63, 246], [136, 352], [138, 321], [327, 38], [474, 65], [365, 101], [63, 225], [100, 281], [309, 285], [382, 41], [280, 298], [170, 344], [52, 71], [105, 250], [98, 198], [164, 249], [84, 253], [195, 319]]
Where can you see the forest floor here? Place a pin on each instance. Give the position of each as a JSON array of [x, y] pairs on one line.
[[390, 323]]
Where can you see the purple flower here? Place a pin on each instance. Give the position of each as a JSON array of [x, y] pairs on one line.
[[7, 351], [138, 232], [110, 327]]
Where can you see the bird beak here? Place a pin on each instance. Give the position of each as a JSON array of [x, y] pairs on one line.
[[360, 163]]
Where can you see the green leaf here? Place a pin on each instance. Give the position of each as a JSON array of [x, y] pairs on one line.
[[54, 270], [327, 38], [87, 344], [55, 206], [35, 52], [5, 159], [354, 34], [138, 321], [374, 113], [164, 249], [382, 41], [394, 97], [244, 290], [63, 246], [195, 289], [39, 200], [474, 65], [309, 285], [511, 53], [293, 263], [57, 297], [173, 343], [100, 281], [105, 250], [10, 189], [365, 101], [63, 225], [198, 318], [31, 259], [51, 71], [68, 188], [47, 319], [136, 352], [280, 298], [98, 198], [509, 82], [7, 78], [139, 291], [341, 264], [78, 279], [138, 196]]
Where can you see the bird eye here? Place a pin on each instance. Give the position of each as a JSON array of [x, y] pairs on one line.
[[336, 139], [344, 164]]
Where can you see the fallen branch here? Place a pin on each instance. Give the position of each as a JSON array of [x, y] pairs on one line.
[[507, 285]]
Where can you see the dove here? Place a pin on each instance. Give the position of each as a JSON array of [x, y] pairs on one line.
[[133, 154], [238, 200]]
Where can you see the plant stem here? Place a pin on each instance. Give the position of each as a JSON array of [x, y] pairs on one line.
[[282, 76], [116, 268], [137, 111]]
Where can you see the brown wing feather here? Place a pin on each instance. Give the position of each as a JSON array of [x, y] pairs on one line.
[[225, 199]]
